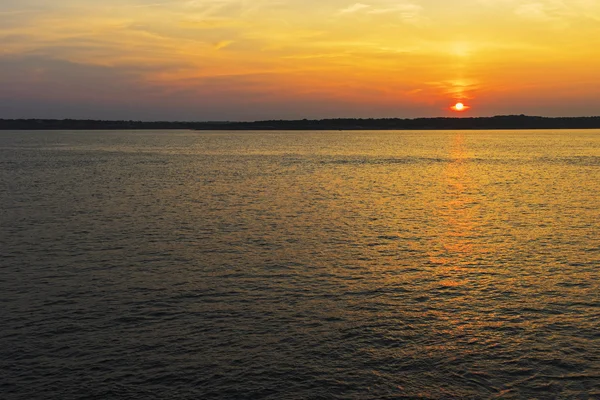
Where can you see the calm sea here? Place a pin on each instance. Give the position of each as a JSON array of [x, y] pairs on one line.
[[300, 265]]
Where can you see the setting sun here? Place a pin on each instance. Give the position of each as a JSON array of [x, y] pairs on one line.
[[459, 107]]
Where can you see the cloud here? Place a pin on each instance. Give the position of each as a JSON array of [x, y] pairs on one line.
[[16, 12], [534, 11], [354, 8], [43, 77], [407, 12], [557, 13], [222, 44]]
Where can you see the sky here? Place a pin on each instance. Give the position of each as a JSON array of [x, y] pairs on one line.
[[290, 59]]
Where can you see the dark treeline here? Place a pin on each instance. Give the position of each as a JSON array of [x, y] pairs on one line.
[[88, 124], [498, 122]]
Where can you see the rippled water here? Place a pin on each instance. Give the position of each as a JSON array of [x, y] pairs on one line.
[[300, 265]]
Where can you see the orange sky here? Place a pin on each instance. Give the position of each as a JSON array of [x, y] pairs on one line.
[[257, 59]]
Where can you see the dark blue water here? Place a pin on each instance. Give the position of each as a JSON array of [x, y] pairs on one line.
[[300, 265]]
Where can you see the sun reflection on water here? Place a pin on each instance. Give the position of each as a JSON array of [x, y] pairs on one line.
[[456, 211]]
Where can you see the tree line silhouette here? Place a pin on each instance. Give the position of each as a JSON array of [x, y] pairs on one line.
[[439, 123]]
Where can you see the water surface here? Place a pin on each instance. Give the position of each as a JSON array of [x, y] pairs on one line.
[[299, 265]]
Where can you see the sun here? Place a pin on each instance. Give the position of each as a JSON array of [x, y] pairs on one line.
[[459, 107]]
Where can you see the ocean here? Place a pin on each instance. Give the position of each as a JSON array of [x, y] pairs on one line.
[[300, 265]]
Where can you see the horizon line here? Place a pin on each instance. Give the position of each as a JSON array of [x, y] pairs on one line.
[[300, 119]]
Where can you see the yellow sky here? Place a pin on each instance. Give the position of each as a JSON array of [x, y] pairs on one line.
[[254, 59]]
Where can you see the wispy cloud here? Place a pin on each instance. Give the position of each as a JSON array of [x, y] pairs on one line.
[[222, 44], [405, 11], [17, 12], [556, 13], [354, 8], [540, 11]]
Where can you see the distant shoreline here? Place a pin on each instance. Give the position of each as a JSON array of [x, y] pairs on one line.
[[501, 122]]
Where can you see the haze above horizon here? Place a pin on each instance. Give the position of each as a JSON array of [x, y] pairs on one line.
[[270, 59]]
